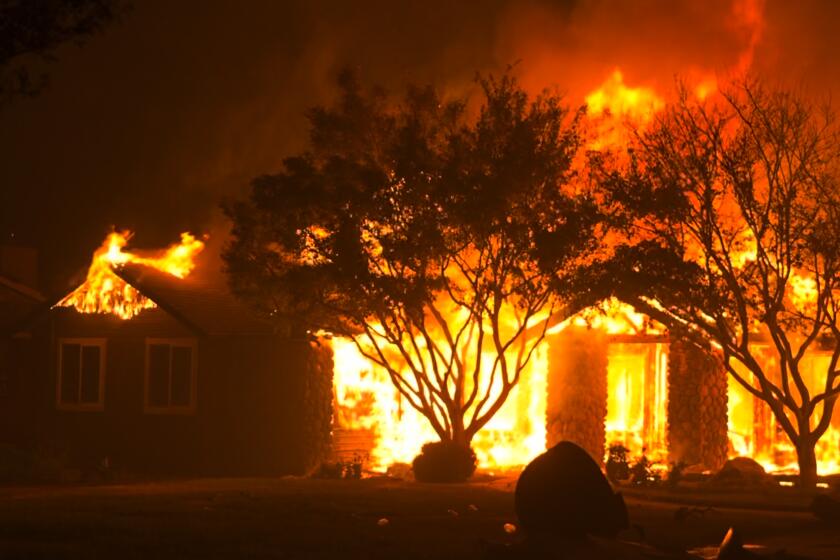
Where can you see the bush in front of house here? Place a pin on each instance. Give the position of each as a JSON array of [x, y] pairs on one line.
[[618, 466], [444, 461], [348, 470]]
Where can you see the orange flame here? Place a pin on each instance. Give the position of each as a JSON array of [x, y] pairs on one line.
[[368, 401], [616, 107], [105, 292]]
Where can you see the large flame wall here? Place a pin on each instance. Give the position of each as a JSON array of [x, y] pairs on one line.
[[368, 402], [636, 413]]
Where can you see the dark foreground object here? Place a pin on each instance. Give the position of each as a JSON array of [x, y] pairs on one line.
[[563, 494]]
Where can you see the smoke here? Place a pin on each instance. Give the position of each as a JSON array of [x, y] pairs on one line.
[[651, 41], [153, 123]]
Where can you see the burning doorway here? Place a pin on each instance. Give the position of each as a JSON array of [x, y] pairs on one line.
[[637, 397]]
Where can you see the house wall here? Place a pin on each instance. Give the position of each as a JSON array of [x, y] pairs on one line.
[[259, 406], [20, 395], [577, 390], [697, 407]]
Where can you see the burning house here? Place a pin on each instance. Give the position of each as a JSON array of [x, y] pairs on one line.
[[607, 376], [145, 369]]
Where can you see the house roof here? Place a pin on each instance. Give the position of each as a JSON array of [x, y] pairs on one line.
[[17, 302], [208, 309]]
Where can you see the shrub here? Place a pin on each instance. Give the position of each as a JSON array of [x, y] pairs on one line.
[[618, 466], [444, 461], [642, 472], [341, 469]]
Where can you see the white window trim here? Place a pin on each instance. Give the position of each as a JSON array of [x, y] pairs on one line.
[[81, 407], [186, 410]]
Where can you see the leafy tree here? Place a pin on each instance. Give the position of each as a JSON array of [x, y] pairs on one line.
[[731, 212], [31, 31], [412, 228]]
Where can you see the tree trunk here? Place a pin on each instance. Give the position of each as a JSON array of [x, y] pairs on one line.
[[807, 456], [459, 433]]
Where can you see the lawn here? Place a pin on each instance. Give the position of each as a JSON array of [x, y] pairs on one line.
[[306, 518]]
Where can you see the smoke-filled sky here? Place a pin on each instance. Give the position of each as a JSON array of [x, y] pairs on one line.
[[178, 105]]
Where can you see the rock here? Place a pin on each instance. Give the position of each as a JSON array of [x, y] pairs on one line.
[[742, 472], [563, 494]]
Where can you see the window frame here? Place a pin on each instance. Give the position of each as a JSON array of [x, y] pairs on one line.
[[176, 342], [99, 406]]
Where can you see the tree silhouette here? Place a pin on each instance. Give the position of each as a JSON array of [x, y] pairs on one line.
[[413, 228], [31, 31], [732, 222]]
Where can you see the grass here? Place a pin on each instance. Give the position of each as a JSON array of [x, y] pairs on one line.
[[343, 519]]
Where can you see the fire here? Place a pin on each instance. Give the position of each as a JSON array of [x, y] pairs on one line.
[[617, 108], [617, 99], [637, 403], [614, 106], [637, 378], [753, 431], [105, 292], [368, 403]]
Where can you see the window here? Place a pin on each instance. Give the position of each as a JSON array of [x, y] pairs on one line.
[[170, 376], [81, 374]]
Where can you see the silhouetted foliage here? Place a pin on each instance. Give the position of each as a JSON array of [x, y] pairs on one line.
[[730, 215], [32, 30], [348, 470], [444, 461], [618, 465], [412, 228], [642, 472]]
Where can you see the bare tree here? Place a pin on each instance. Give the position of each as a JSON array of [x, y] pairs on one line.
[[734, 213]]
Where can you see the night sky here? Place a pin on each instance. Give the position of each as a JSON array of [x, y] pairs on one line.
[[178, 105]]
